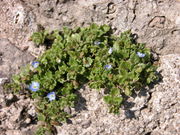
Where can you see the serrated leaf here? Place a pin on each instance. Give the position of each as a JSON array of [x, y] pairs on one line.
[[41, 117], [87, 62], [117, 101], [108, 99], [115, 92], [128, 91], [116, 46], [105, 28]]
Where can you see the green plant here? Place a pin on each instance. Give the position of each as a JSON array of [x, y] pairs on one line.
[[90, 55], [43, 131]]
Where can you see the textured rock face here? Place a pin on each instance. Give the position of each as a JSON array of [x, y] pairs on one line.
[[15, 115], [16, 119], [11, 59], [154, 111], [166, 96], [157, 22]]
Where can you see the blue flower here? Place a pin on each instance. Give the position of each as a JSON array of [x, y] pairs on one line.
[[51, 96], [110, 50], [34, 86], [141, 55], [35, 64], [97, 42], [107, 67]]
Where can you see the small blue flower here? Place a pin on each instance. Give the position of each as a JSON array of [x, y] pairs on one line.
[[34, 86], [51, 96], [107, 67], [35, 64], [110, 50], [141, 55], [97, 42]]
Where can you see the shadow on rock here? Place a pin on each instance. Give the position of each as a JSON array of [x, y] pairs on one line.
[[139, 99], [81, 102]]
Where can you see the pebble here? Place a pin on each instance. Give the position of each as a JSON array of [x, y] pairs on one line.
[[67, 110], [86, 124], [28, 120], [2, 80]]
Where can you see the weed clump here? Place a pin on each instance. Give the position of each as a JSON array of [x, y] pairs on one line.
[[79, 56]]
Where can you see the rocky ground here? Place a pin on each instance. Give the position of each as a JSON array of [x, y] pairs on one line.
[[153, 111]]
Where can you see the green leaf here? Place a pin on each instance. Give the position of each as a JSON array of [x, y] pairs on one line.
[[128, 91], [124, 53], [39, 37], [67, 31], [95, 85], [117, 101], [116, 46], [134, 58], [16, 79], [108, 99], [41, 117], [105, 28], [139, 67], [87, 62], [115, 92], [125, 65], [76, 37]]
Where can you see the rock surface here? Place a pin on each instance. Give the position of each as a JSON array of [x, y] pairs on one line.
[[157, 22], [15, 117], [153, 111]]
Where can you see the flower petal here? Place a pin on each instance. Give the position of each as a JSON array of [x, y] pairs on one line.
[[110, 50], [35, 64], [141, 55], [51, 96], [107, 67], [97, 42], [34, 86]]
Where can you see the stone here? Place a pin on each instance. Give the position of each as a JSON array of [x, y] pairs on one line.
[[2, 80], [157, 21], [12, 57], [152, 24], [13, 132], [32, 111], [86, 124], [27, 121], [68, 110]]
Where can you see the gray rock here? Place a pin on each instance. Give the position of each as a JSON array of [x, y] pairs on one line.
[[67, 110], [3, 80], [86, 124], [12, 58], [157, 24], [13, 132], [28, 121], [12, 108]]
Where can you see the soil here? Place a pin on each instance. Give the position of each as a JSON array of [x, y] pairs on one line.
[[153, 111]]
